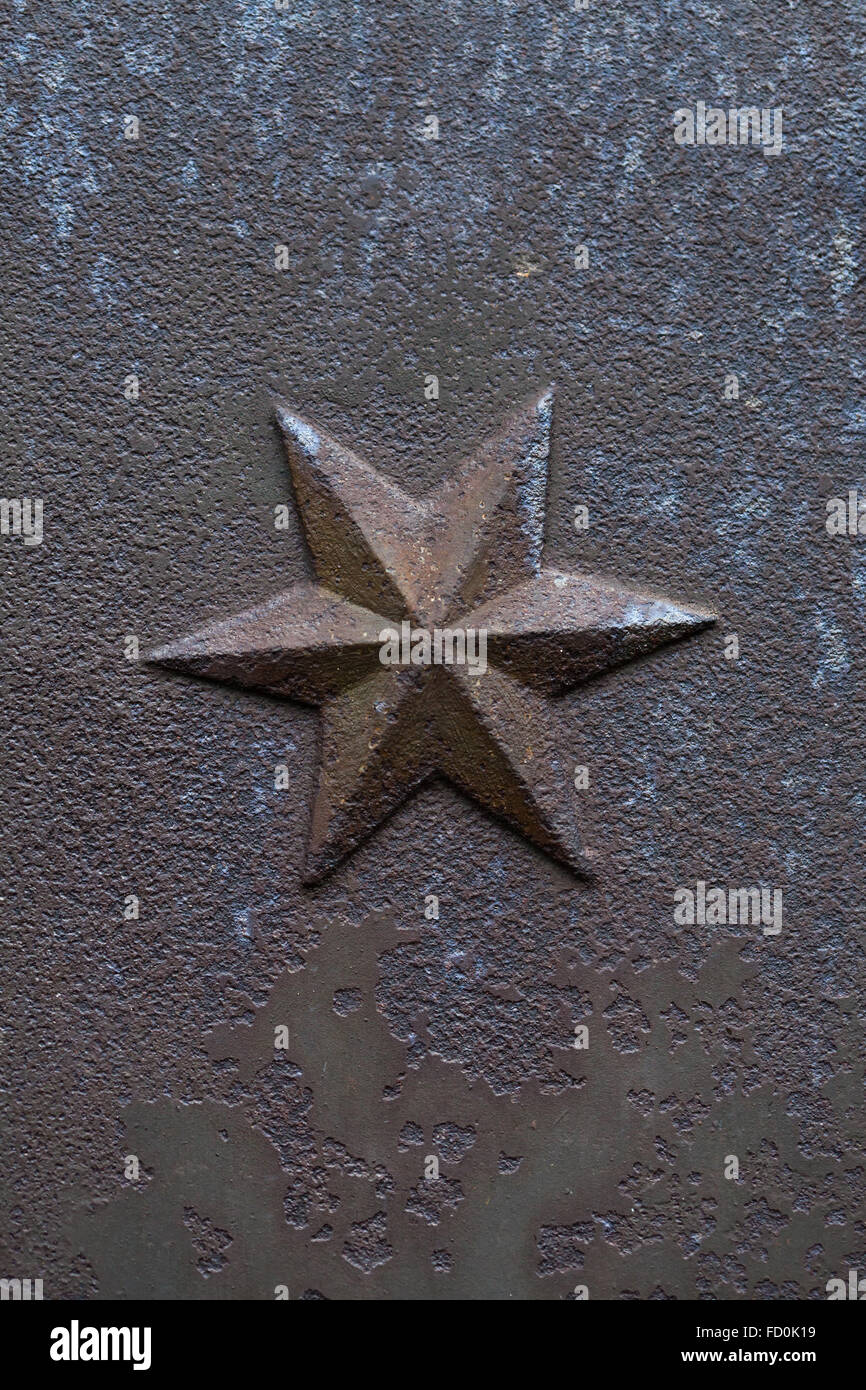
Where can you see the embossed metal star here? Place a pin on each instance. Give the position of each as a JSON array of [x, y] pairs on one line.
[[467, 554]]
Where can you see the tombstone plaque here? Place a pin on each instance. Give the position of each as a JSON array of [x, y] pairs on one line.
[[433, 589]]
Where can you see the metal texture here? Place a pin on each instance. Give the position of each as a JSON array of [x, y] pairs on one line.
[[287, 224], [466, 556]]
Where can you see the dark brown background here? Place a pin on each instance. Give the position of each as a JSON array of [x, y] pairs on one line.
[[455, 257]]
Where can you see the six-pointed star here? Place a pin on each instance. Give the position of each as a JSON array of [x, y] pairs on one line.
[[467, 554]]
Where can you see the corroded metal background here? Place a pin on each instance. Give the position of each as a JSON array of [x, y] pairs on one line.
[[413, 1036]]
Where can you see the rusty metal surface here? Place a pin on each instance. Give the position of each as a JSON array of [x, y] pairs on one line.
[[414, 1035]]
